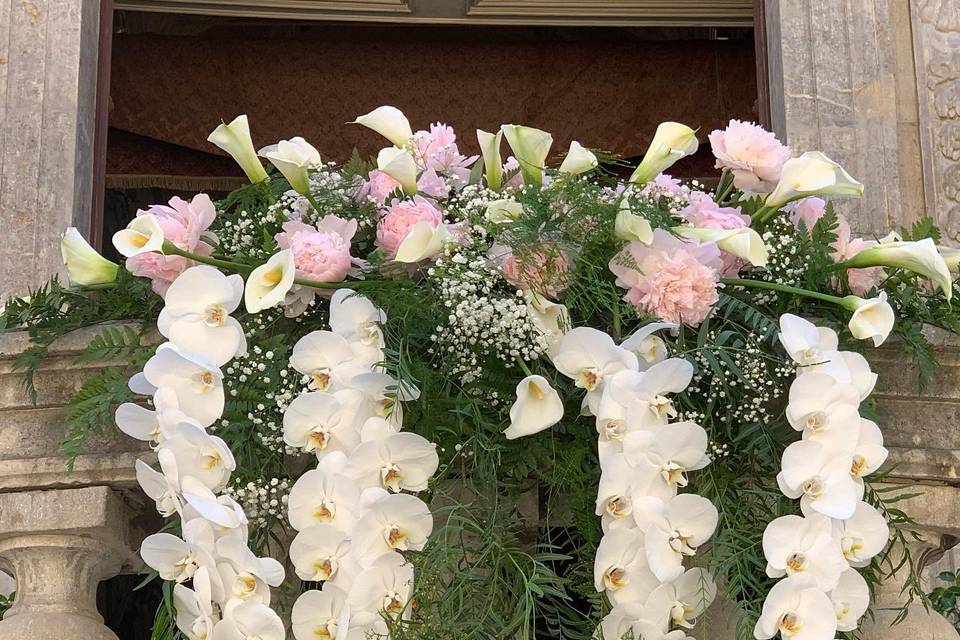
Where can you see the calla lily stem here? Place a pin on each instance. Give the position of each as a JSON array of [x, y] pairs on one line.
[[760, 284], [523, 365]]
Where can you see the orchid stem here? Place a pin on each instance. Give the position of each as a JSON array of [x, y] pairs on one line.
[[760, 284]]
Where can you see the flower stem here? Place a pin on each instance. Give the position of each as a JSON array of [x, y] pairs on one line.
[[170, 249], [760, 284], [724, 186], [523, 366], [313, 202]]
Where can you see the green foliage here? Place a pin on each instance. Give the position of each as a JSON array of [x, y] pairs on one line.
[[5, 603], [943, 598]]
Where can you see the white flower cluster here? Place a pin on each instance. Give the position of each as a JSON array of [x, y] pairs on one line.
[[229, 595], [354, 512], [244, 234], [818, 553]]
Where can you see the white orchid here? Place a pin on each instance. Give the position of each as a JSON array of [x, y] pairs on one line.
[[249, 620], [797, 545], [551, 319], [194, 607], [622, 620], [398, 462], [84, 265], [142, 235], [872, 319], [294, 158], [863, 535], [220, 511], [163, 486], [530, 147], [390, 123], [856, 371], [538, 406], [200, 455], [850, 599], [325, 495], [321, 422], [328, 359], [321, 615], [620, 486], [355, 318], [589, 357], [620, 567], [385, 587], [821, 477], [396, 522], [868, 450], [680, 602], [649, 348], [671, 142], [824, 410], [579, 160], [268, 284], [383, 395], [234, 138], [318, 551], [196, 382], [246, 576], [149, 425], [400, 165], [812, 174], [178, 559], [813, 348], [423, 242], [796, 609], [671, 451], [196, 316], [674, 530]]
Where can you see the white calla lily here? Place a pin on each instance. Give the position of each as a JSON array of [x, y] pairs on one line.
[[671, 142], [863, 535], [919, 256], [423, 242], [530, 147], [398, 462], [589, 357], [796, 609], [821, 477], [389, 122], [268, 284], [824, 410], [620, 567], [797, 545], [196, 382], [674, 530], [294, 158], [850, 599], [579, 160], [318, 551], [743, 243], [396, 522], [631, 227], [812, 174], [320, 422], [84, 265], [400, 165], [325, 495], [492, 164], [196, 316], [234, 138], [672, 451], [142, 235], [538, 406], [872, 319], [321, 615], [503, 211]]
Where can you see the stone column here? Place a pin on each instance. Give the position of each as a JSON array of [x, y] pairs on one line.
[[48, 70]]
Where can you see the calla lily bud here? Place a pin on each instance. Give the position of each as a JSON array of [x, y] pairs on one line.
[[390, 123], [142, 235], [629, 226], [293, 158], [671, 142], [234, 138], [530, 147], [579, 160], [743, 242], [422, 243], [492, 164], [504, 211], [268, 284], [84, 265], [919, 256], [871, 318], [812, 174], [399, 165]]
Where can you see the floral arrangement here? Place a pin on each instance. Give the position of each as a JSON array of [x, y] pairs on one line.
[[482, 397]]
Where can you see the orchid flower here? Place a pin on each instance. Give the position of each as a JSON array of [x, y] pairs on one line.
[[196, 316], [671, 451], [178, 559], [589, 357], [850, 599], [196, 382], [384, 587], [396, 522], [194, 607], [821, 477], [795, 545], [620, 567], [220, 511], [679, 602], [674, 530], [398, 462], [796, 609], [383, 395], [868, 450], [824, 410], [322, 422], [813, 348], [163, 487], [328, 359], [249, 620], [355, 318], [649, 348], [620, 486], [200, 455], [321, 615], [318, 551], [538, 407], [325, 495], [863, 535], [244, 574], [149, 425]]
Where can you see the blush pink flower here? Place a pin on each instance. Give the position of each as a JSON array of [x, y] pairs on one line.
[[512, 166], [671, 279], [809, 210], [545, 272], [320, 253], [703, 212], [751, 153], [436, 149], [399, 218], [846, 247], [377, 187], [183, 224]]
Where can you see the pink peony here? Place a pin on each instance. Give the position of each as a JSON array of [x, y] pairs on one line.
[[703, 212], [436, 149], [433, 185], [672, 279], [751, 153], [183, 223], [544, 272], [512, 166], [377, 187], [846, 247], [320, 253], [809, 210], [398, 221]]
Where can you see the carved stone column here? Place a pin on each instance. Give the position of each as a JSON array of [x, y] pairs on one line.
[[59, 545]]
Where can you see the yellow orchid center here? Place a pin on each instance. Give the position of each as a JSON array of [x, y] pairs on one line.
[[323, 569], [796, 563], [325, 511], [615, 578], [391, 477], [789, 624]]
